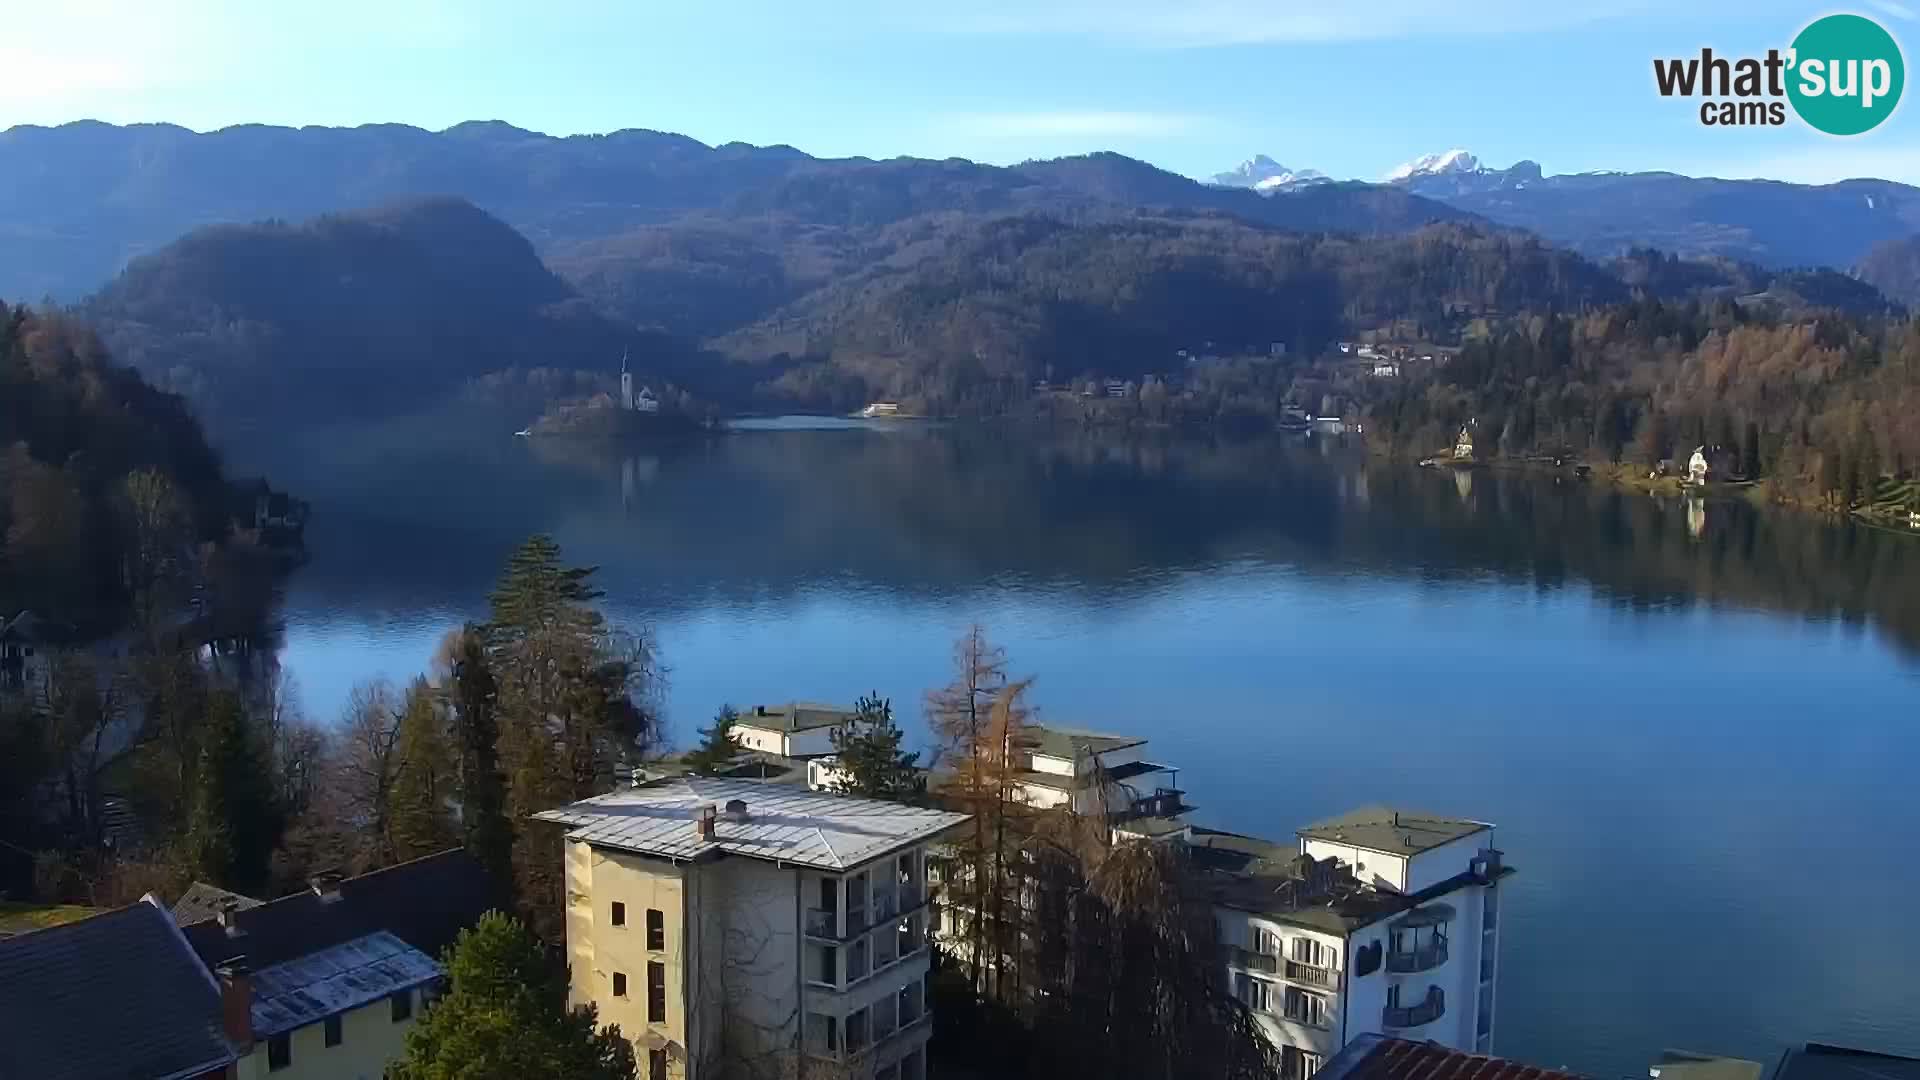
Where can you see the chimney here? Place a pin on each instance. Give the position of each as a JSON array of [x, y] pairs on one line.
[[228, 915], [326, 885], [703, 819], [236, 1003]]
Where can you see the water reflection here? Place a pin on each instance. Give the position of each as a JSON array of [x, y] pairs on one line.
[[949, 512]]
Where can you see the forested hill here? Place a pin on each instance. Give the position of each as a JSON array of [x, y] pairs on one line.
[[107, 486], [78, 201], [995, 305], [353, 314]]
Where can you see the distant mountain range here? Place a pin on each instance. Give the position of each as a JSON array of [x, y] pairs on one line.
[[77, 202], [1605, 214]]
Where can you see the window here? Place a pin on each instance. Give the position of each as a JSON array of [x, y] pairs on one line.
[[829, 894], [332, 1026], [1256, 993], [656, 930], [656, 1065], [620, 984], [402, 1003], [279, 1052], [656, 992], [1266, 942], [1306, 1008], [1315, 953], [619, 913]]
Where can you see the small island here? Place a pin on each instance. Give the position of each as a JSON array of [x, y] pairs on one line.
[[638, 413]]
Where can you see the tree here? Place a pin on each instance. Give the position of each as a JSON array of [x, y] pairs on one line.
[[472, 696], [574, 700], [870, 759], [235, 822], [369, 756], [505, 1017], [717, 746], [423, 781], [957, 713], [1750, 451]]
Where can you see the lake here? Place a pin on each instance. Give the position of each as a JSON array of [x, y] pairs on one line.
[[1695, 724]]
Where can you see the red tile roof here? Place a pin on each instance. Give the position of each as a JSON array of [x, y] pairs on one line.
[[1375, 1057]]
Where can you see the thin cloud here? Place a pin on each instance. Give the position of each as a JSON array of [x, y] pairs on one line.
[[1055, 124], [1898, 11]]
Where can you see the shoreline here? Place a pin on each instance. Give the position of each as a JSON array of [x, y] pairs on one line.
[[1633, 478]]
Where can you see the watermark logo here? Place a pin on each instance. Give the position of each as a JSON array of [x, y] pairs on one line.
[[1843, 75]]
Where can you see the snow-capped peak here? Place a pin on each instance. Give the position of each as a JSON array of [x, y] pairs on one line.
[[1453, 161], [1263, 174]]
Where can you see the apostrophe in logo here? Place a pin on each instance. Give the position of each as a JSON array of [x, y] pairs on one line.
[[1842, 75], [1847, 74]]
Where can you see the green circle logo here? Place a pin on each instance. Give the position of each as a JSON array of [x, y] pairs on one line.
[[1846, 74]]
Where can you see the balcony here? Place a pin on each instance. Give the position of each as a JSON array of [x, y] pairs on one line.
[[1252, 961], [1309, 975], [823, 923], [1407, 1016], [1424, 958], [1300, 1014]]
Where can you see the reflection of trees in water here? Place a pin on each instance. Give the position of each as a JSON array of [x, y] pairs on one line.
[[934, 513]]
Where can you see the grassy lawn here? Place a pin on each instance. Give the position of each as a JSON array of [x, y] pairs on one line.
[[20, 918]]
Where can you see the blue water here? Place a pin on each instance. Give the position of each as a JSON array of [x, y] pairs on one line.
[[1696, 731]]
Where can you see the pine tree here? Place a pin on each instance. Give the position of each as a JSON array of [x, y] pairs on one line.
[[572, 703], [868, 749], [472, 699], [717, 746], [235, 821], [423, 782], [1750, 452], [505, 1017]]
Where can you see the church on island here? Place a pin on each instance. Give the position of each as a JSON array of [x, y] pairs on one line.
[[644, 401]]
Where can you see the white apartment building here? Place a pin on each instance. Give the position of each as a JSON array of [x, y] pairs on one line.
[[738, 928], [795, 730], [1089, 771], [1377, 921]]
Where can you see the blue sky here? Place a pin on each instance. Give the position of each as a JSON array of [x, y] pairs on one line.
[[1195, 86]]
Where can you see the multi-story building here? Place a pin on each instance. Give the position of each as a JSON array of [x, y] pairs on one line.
[[744, 928], [1376, 921]]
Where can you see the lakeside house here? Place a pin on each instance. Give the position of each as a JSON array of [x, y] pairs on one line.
[[25, 658], [716, 920], [797, 729], [1093, 772], [1377, 921], [1463, 443], [879, 409], [326, 982]]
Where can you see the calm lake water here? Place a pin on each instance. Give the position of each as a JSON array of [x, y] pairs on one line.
[[1696, 726]]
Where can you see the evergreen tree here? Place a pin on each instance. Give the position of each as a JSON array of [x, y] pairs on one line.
[[871, 762], [234, 822], [572, 703], [423, 782], [471, 693], [717, 746], [505, 1017], [1750, 452]]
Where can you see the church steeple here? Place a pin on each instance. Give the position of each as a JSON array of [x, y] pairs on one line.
[[626, 383]]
